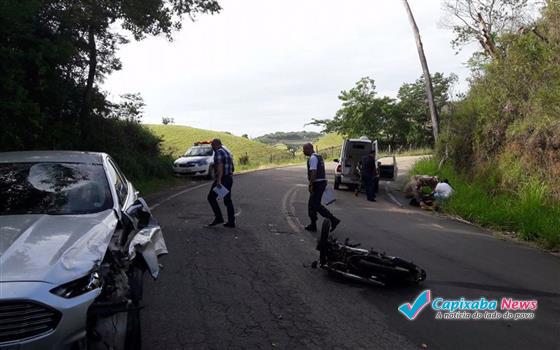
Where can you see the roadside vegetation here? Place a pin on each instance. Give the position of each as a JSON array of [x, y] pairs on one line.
[[500, 143], [248, 154], [291, 140], [527, 212], [55, 54]]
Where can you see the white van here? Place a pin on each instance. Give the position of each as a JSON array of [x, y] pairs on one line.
[[350, 156]]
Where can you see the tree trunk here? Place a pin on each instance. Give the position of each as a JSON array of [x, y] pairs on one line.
[[486, 39], [427, 76]]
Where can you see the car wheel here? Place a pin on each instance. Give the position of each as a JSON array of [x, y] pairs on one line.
[[133, 338], [336, 182], [136, 282]]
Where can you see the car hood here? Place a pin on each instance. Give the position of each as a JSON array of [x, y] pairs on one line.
[[53, 248], [185, 160]]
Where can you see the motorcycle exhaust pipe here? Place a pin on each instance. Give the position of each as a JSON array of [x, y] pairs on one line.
[[356, 277]]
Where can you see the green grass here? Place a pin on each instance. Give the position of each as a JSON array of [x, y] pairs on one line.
[[157, 184], [527, 212], [177, 139], [413, 152], [328, 140]]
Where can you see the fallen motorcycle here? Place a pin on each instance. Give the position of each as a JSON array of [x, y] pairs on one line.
[[348, 261]]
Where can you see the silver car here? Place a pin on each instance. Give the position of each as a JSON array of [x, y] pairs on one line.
[[75, 241]]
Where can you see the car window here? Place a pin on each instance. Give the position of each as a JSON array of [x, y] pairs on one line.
[[119, 182], [199, 152], [53, 188]]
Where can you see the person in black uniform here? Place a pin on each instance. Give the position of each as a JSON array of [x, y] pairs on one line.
[[369, 173], [317, 184]]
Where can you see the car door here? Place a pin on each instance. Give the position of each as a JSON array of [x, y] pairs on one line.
[[124, 190], [346, 168], [388, 169]]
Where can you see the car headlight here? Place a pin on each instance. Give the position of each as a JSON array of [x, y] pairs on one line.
[[78, 287]]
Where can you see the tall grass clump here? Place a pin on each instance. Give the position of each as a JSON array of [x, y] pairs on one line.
[[527, 211]]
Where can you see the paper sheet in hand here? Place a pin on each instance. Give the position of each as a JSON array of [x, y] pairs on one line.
[[328, 196], [221, 191]]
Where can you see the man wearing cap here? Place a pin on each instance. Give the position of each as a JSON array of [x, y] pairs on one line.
[[317, 185], [223, 166]]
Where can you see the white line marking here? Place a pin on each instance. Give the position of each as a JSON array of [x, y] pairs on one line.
[[289, 212], [388, 191], [176, 195]]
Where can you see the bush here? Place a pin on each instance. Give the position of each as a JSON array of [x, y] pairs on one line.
[[244, 159], [526, 211]]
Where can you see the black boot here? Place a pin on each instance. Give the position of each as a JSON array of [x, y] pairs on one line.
[[311, 227]]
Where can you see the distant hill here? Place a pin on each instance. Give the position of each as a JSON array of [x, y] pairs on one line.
[[328, 140], [293, 139], [177, 139]]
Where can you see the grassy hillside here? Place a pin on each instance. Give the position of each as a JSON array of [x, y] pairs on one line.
[[328, 140], [177, 139], [293, 140]]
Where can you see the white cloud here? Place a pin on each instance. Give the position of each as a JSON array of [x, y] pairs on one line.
[[264, 66]]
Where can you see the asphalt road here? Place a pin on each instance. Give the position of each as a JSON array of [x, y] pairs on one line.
[[252, 287]]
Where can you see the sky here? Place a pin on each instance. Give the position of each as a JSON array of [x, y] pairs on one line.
[[262, 66]]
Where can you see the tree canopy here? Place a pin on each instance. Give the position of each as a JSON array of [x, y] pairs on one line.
[[53, 55], [53, 52], [395, 122]]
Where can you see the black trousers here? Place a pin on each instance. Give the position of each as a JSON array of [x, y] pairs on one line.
[[369, 186], [315, 206], [227, 182]]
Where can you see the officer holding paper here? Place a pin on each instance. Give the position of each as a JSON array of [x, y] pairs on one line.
[[223, 167], [317, 185]]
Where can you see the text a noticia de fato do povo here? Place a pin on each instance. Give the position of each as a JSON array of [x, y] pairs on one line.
[[505, 308]]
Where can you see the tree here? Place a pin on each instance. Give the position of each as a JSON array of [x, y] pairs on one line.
[[427, 77], [414, 106], [483, 21], [53, 54], [131, 108], [392, 122], [245, 136], [363, 114], [95, 27], [167, 120]]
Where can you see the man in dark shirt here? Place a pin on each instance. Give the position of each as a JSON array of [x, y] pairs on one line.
[[223, 167], [369, 172], [317, 184]]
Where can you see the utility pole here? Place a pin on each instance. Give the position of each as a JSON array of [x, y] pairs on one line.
[[427, 76]]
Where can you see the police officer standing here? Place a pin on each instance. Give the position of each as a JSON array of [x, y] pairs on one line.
[[223, 166], [317, 185], [369, 174]]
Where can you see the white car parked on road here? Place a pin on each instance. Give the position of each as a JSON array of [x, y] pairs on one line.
[[197, 161]]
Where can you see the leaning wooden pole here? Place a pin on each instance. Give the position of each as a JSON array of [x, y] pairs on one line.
[[427, 76]]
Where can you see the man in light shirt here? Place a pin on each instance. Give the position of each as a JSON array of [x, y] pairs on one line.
[[317, 184], [443, 190]]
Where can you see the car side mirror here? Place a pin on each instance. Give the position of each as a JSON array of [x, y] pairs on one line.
[[139, 213], [336, 160]]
